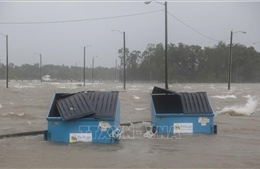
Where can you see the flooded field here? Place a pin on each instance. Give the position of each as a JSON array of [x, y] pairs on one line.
[[24, 107]]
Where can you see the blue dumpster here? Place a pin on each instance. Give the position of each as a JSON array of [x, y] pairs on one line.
[[176, 113], [90, 116]]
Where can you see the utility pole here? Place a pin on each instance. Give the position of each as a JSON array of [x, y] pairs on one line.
[[230, 60], [166, 48], [6, 37], [41, 66], [124, 60], [84, 71], [93, 70], [75, 71], [166, 41], [115, 70], [132, 71], [124, 54], [230, 57], [7, 73], [93, 65], [84, 60]]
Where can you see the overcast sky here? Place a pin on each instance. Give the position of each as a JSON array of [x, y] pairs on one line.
[[63, 43]]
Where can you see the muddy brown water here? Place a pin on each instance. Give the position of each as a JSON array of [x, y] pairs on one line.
[[24, 107]]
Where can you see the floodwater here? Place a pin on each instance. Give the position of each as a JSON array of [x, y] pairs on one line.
[[24, 107]]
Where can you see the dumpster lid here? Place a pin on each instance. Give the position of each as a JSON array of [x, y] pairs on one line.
[[171, 102], [89, 104], [158, 90], [104, 103], [193, 103], [75, 106]]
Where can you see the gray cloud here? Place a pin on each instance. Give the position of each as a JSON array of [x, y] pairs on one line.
[[62, 43]]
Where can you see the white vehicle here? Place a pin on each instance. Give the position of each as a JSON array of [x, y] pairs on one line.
[[46, 78]]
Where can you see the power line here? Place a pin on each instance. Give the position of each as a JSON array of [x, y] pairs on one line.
[[79, 20], [106, 18], [195, 29], [2, 34]]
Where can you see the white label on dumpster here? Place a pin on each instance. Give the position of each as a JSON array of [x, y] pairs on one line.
[[80, 137], [182, 127], [104, 125], [203, 121]]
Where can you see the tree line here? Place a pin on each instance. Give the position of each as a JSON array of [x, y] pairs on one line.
[[192, 63], [186, 63]]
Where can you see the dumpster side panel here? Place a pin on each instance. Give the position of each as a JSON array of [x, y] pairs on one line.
[[117, 114], [86, 129], [153, 112], [97, 131], [173, 113], [115, 130], [199, 123]]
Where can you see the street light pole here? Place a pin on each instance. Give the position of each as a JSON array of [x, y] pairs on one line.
[[230, 60], [92, 69], [166, 41], [124, 54], [84, 71], [115, 70], [7, 73], [75, 71], [166, 47], [84, 60], [40, 64], [230, 57], [93, 64], [132, 71], [124, 60]]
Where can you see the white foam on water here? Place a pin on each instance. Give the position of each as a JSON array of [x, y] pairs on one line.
[[73, 87], [13, 114], [134, 89], [151, 88], [6, 114], [187, 87], [34, 84], [230, 91], [87, 84], [22, 87], [212, 87], [139, 109], [247, 96], [136, 97], [20, 114], [95, 83], [249, 108], [225, 97], [1, 106]]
